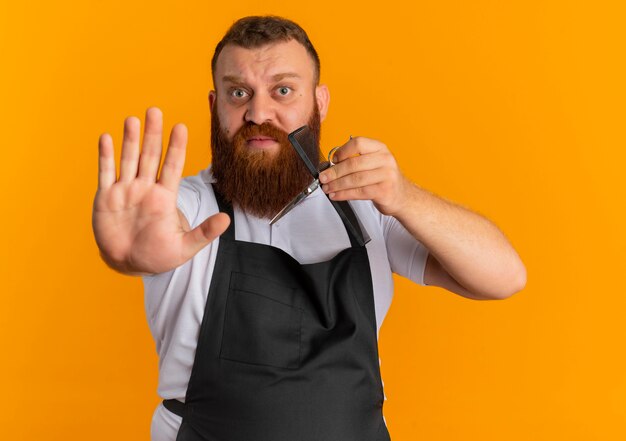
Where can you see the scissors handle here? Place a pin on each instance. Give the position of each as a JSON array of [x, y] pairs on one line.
[[330, 156]]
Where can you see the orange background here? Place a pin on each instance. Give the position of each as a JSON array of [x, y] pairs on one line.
[[514, 109]]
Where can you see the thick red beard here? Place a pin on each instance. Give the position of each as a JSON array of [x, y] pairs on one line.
[[260, 182]]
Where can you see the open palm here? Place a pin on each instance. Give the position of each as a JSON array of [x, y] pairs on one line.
[[136, 223]]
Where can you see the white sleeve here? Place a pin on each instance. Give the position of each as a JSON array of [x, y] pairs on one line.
[[188, 201], [407, 255]]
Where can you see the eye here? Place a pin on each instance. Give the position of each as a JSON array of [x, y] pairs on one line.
[[284, 90], [238, 93]]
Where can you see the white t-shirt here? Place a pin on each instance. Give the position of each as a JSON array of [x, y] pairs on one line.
[[311, 232]]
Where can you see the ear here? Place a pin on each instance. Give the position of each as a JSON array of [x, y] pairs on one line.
[[322, 96], [212, 98]]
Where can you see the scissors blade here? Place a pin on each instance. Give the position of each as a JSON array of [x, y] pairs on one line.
[[295, 201]]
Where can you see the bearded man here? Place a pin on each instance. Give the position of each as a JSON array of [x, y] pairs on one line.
[[269, 332]]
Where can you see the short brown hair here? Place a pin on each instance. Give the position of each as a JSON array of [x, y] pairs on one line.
[[256, 31]]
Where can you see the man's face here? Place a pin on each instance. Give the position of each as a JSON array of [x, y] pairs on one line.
[[271, 84], [262, 95]]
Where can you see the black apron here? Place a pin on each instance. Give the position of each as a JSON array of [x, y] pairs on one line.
[[286, 352]]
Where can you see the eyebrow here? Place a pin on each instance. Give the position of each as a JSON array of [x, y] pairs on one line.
[[278, 77]]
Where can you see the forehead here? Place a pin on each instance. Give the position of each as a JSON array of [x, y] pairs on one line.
[[264, 63]]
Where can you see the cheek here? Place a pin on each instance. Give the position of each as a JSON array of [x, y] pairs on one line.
[[295, 118], [229, 123]]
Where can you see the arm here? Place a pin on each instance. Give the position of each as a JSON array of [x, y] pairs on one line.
[[469, 255], [136, 223]]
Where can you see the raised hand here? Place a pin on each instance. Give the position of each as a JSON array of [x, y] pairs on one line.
[[136, 223]]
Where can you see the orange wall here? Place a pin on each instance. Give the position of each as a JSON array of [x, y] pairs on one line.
[[514, 109]]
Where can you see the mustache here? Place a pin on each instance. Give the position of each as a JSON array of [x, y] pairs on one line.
[[250, 130]]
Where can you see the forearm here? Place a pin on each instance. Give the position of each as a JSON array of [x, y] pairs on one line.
[[471, 249]]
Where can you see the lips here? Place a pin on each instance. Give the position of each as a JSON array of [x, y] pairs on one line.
[[260, 141]]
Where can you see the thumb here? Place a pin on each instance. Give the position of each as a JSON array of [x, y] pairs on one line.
[[203, 234]]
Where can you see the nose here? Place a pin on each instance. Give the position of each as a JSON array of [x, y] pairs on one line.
[[260, 109]]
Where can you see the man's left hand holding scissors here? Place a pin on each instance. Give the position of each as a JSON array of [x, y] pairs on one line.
[[365, 169], [468, 254]]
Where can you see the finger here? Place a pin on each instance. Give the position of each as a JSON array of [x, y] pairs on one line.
[[106, 162], [357, 180], [360, 193], [357, 146], [150, 158], [130, 149], [203, 234], [351, 165], [174, 161]]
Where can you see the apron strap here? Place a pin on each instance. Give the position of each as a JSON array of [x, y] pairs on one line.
[[350, 222], [226, 207]]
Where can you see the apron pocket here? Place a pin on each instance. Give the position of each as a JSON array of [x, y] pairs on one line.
[[258, 328]]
